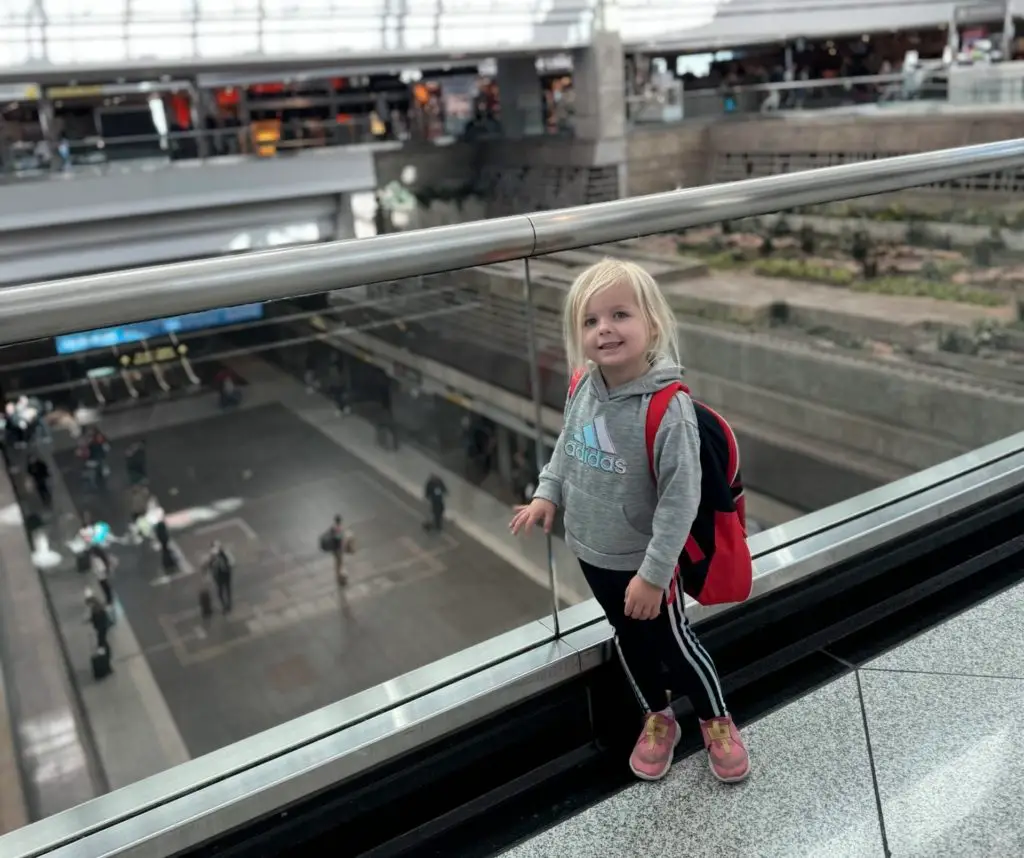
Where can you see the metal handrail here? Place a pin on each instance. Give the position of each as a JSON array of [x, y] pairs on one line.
[[102, 300]]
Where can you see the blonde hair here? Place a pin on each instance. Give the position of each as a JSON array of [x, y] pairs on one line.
[[661, 321]]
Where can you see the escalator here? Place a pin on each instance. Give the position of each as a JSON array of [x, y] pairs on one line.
[[506, 777]]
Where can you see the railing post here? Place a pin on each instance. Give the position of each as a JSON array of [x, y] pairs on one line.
[[538, 420]]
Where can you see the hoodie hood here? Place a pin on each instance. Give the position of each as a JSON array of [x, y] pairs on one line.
[[661, 374]]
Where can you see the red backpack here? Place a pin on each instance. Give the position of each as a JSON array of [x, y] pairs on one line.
[[715, 564]]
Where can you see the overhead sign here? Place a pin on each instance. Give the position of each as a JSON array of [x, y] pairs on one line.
[[163, 354], [91, 91], [19, 92], [106, 338]]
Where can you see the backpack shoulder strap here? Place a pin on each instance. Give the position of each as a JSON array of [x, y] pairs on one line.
[[732, 447], [656, 409], [574, 382]]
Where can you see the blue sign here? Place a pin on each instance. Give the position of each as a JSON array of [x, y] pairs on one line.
[[104, 338]]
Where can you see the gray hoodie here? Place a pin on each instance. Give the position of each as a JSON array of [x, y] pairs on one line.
[[616, 517]]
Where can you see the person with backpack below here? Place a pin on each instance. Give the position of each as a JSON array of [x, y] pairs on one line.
[[98, 616], [220, 564], [435, 492], [649, 484], [336, 542]]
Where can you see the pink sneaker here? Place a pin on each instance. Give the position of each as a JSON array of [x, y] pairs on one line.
[[652, 756], [727, 755]]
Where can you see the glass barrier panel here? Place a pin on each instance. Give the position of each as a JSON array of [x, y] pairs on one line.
[[262, 510], [848, 345]]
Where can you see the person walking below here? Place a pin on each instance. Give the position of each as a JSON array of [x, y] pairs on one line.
[[98, 617], [435, 492], [102, 575], [221, 564], [336, 543], [40, 474], [135, 463], [158, 520], [96, 535]]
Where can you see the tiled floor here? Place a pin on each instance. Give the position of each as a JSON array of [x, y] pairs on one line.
[[940, 715], [797, 802], [126, 707], [945, 710], [267, 484]]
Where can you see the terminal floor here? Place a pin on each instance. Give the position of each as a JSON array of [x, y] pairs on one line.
[[267, 484], [913, 754]]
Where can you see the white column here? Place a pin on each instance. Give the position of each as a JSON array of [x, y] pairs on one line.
[[344, 219], [522, 104], [600, 90]]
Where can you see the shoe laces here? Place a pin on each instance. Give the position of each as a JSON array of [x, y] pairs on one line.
[[719, 732], [655, 729]]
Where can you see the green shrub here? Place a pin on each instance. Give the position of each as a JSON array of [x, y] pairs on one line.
[[958, 342], [767, 247], [916, 287], [890, 214], [814, 272], [726, 260], [799, 269]]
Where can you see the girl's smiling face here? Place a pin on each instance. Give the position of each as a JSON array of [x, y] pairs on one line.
[[615, 334]]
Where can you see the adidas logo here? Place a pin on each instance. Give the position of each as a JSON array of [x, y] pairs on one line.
[[593, 446]]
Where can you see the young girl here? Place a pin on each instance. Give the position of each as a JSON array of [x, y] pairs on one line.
[[626, 528]]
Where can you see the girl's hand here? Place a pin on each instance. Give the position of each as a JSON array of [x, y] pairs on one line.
[[538, 511], [643, 599]]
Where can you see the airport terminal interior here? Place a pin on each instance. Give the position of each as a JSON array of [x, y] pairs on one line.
[[289, 348]]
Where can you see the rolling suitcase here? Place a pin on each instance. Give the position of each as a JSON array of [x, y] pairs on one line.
[[101, 664], [167, 560], [205, 603]]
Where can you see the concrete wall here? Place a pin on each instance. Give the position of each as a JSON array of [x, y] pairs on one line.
[[899, 408], [510, 176], [884, 134], [700, 151], [663, 158], [551, 152], [600, 89], [436, 166]]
